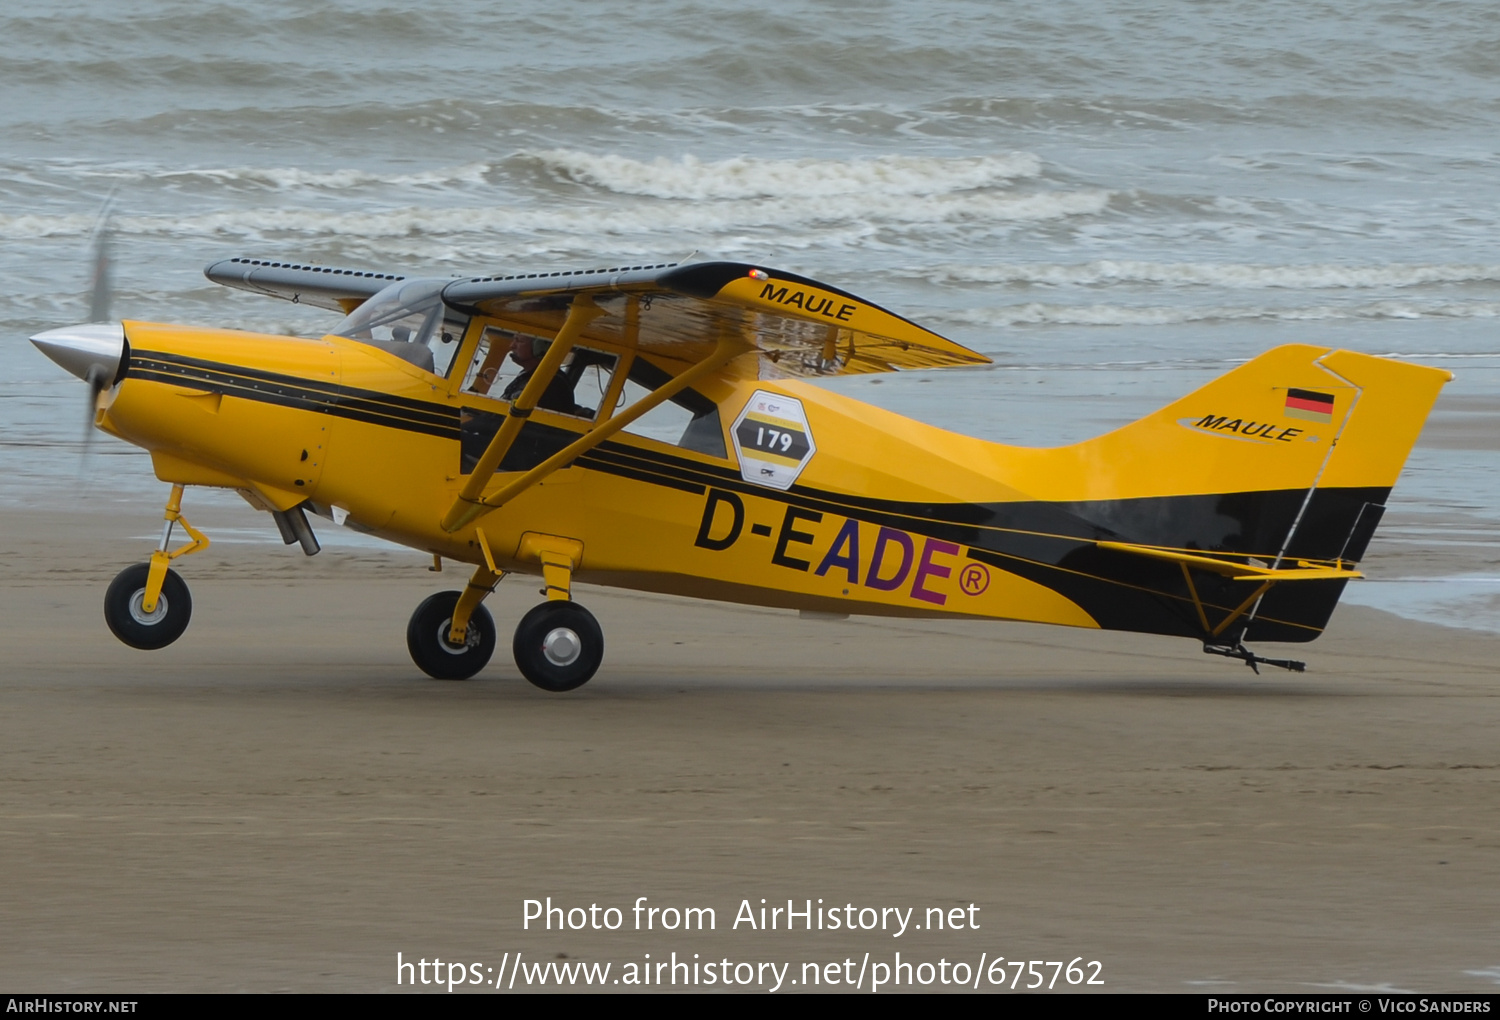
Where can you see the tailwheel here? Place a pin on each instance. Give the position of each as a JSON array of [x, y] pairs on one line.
[[558, 645], [427, 638], [124, 608]]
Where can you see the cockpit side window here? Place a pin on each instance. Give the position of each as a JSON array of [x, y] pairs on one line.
[[504, 359], [410, 321]]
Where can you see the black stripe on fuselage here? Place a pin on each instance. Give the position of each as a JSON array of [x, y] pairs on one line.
[[1052, 543], [369, 406]]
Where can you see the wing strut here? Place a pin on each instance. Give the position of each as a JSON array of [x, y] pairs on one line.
[[470, 505], [580, 313]]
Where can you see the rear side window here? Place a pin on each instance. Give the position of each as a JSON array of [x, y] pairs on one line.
[[689, 419]]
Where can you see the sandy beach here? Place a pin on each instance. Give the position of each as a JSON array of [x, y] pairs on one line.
[[282, 801]]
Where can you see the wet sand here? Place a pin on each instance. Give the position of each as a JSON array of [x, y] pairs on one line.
[[281, 801]]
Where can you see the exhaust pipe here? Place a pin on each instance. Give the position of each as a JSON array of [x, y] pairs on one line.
[[294, 528]]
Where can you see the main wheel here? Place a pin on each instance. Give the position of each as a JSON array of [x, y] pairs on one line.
[[138, 628], [558, 645], [427, 639]]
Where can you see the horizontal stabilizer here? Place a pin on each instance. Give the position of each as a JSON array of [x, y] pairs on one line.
[[1237, 570]]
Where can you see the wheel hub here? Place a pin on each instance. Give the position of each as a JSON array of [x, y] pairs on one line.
[[562, 646], [471, 638], [139, 614]]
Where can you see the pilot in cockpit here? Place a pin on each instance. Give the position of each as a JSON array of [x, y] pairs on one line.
[[527, 352]]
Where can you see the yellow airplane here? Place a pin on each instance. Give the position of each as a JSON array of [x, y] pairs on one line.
[[658, 427]]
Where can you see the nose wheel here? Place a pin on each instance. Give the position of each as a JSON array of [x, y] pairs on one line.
[[128, 619], [148, 606], [558, 645]]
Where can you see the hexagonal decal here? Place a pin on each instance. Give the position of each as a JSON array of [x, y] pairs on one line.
[[772, 440]]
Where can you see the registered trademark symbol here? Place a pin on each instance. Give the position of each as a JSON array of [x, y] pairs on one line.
[[974, 579]]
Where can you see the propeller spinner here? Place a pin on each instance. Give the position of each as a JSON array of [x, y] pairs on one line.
[[93, 351]]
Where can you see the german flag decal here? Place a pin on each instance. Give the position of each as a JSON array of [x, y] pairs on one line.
[[1309, 405]]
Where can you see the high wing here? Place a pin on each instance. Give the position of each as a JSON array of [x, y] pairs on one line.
[[339, 290], [800, 326], [697, 318], [678, 313]]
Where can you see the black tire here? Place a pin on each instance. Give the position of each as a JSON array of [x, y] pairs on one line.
[[427, 639], [122, 608], [581, 639]]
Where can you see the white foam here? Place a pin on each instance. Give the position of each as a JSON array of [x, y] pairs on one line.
[[788, 215], [748, 177], [30, 225], [1216, 274], [289, 178]]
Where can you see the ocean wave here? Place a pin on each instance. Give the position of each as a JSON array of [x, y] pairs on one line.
[[289, 178], [589, 219], [1215, 274], [748, 177], [1126, 315]]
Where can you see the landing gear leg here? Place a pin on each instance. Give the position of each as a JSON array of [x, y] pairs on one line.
[[558, 645], [451, 636], [147, 605]]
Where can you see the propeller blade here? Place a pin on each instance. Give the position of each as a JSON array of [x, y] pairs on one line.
[[101, 289], [98, 381]]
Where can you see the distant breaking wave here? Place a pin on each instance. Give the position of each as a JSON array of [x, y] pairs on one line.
[[1210, 274], [748, 177], [590, 219], [687, 178], [288, 178]]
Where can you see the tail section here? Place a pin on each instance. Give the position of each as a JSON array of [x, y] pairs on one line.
[[1243, 508], [1294, 418]]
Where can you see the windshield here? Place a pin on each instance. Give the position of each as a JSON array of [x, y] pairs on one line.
[[409, 319]]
